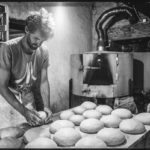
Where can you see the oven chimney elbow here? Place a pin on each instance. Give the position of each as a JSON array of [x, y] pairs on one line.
[[121, 12]]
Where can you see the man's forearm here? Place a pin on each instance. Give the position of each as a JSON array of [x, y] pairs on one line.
[[11, 99], [45, 93]]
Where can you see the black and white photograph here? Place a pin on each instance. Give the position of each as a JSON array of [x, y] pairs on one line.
[[75, 74]]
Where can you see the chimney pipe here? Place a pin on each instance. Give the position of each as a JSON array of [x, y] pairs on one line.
[[117, 13]]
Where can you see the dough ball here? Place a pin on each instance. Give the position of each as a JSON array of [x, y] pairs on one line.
[[132, 126], [36, 132], [92, 114], [91, 125], [122, 113], [104, 109], [11, 132], [41, 142], [65, 115], [11, 142], [143, 117], [66, 137], [111, 121], [42, 114], [88, 105], [79, 110], [76, 119], [58, 124], [90, 142], [111, 136]]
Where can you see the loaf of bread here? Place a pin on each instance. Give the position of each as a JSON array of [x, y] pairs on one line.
[[66, 137], [143, 117], [91, 125], [111, 136], [104, 109], [111, 121], [41, 142], [92, 114], [76, 119], [88, 105], [79, 110], [65, 115], [90, 142], [58, 124], [132, 126], [123, 113], [11, 132], [11, 142], [36, 132]]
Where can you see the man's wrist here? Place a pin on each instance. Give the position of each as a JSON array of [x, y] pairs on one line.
[[47, 108], [24, 110]]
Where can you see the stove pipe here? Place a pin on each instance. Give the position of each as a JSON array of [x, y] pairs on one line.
[[117, 13]]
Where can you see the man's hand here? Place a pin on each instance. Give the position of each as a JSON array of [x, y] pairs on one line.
[[49, 115], [33, 117]]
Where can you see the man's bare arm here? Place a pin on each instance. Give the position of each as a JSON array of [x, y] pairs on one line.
[[11, 99], [45, 93]]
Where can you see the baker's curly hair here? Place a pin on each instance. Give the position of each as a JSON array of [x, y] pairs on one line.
[[40, 20]]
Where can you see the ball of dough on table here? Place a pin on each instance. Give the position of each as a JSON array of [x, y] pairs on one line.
[[76, 119], [65, 115], [132, 126], [90, 142], [79, 110], [42, 114], [66, 137], [11, 132], [58, 124], [41, 142], [122, 113], [104, 109], [143, 117], [88, 105], [36, 132], [11, 142], [92, 114], [91, 125], [111, 136], [111, 121]]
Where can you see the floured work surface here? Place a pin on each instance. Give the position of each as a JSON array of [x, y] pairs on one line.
[[131, 140]]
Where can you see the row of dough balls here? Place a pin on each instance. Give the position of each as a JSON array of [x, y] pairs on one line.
[[87, 116], [111, 118], [121, 118], [65, 135], [103, 112], [68, 136], [39, 137]]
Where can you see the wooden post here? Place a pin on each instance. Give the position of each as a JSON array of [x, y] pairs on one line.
[[4, 22]]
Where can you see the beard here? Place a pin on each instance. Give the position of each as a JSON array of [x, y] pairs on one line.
[[32, 46]]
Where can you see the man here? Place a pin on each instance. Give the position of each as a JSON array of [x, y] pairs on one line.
[[23, 68]]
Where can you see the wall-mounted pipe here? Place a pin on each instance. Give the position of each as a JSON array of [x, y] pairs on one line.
[[120, 12], [109, 24]]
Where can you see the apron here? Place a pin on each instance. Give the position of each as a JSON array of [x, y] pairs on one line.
[[25, 98]]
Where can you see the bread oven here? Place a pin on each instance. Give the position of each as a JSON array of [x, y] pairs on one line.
[[102, 74]]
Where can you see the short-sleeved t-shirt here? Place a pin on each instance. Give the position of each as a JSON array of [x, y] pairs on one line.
[[23, 72]]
